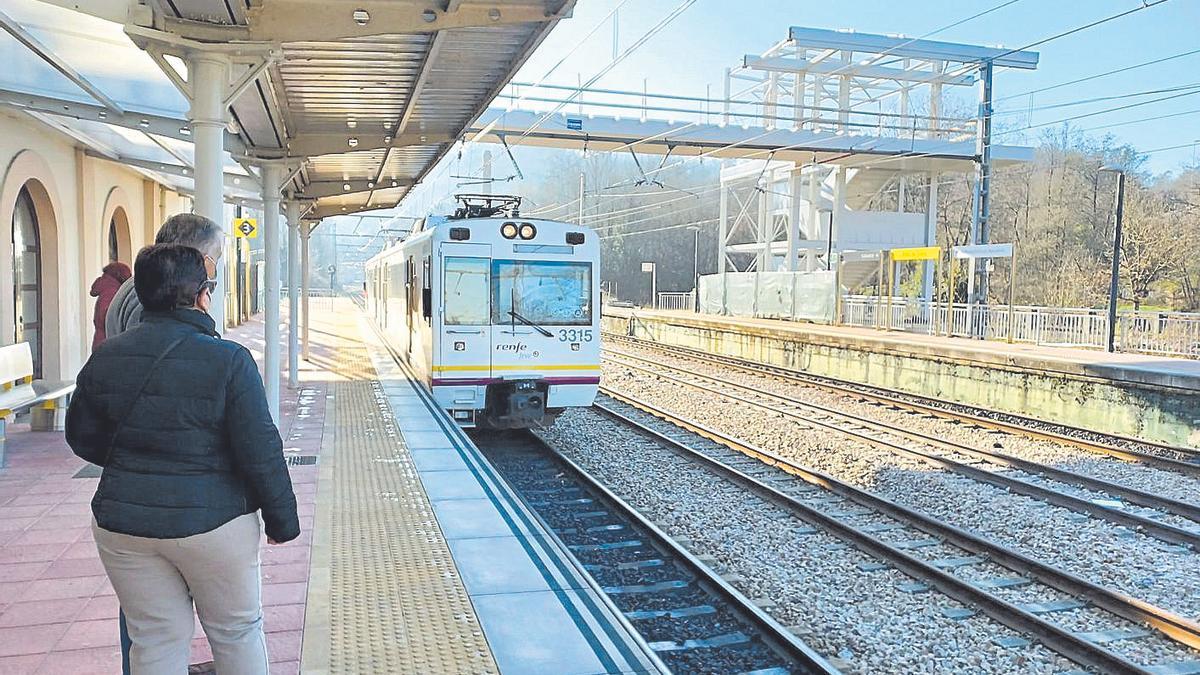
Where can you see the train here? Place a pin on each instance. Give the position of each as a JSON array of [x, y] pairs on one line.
[[496, 314]]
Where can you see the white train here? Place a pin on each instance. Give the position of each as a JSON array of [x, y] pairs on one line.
[[498, 314]]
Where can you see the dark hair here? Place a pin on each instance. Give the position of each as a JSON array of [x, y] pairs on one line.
[[168, 276], [192, 230]]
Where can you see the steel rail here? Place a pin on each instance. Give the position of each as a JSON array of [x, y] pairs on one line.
[[1176, 506], [1027, 426], [778, 637], [1058, 639], [1164, 531], [1177, 628]]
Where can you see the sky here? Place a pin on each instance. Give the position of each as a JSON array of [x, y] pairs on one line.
[[693, 51]]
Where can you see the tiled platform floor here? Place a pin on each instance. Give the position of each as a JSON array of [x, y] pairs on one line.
[[57, 609], [352, 597]]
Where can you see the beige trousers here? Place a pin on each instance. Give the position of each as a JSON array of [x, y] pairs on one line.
[[158, 580]]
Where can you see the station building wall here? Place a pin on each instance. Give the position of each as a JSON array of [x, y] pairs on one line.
[[75, 198]]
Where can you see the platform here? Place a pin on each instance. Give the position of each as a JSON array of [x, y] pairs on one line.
[[419, 558], [1151, 397]]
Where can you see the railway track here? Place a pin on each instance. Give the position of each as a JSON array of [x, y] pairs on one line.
[[1169, 457], [1077, 492], [1033, 598], [692, 618]]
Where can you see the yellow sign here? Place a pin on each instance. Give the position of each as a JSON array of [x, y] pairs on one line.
[[245, 228], [918, 253]]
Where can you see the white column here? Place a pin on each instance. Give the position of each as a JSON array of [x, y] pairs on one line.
[[814, 196], [272, 177], [839, 205], [762, 234], [209, 76], [722, 242], [293, 273], [794, 187], [305, 231], [798, 102], [931, 219]]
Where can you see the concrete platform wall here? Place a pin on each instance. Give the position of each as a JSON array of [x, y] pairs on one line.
[[1158, 412]]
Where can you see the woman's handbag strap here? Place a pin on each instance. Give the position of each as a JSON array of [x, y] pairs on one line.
[[145, 381]]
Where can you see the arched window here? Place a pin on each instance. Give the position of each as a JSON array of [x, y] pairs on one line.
[[114, 246], [27, 278]]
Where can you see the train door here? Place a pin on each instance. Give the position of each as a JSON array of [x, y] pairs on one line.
[[464, 340]]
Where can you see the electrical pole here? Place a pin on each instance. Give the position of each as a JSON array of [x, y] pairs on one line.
[[695, 268], [1114, 281], [582, 186], [981, 220]]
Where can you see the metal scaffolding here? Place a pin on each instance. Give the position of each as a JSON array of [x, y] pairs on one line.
[[864, 91]]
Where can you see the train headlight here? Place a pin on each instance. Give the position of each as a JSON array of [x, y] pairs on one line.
[[509, 230], [528, 231]]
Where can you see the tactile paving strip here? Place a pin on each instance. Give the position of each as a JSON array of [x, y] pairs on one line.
[[395, 600]]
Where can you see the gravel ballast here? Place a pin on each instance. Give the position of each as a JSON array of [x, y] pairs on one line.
[[1111, 555], [813, 580]]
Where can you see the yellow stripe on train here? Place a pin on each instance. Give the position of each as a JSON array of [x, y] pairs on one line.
[[519, 366]]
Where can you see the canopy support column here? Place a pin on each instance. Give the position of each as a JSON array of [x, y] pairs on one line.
[[209, 75], [272, 179], [293, 277], [305, 273]]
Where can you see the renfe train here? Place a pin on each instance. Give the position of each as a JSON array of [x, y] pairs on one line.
[[498, 315]]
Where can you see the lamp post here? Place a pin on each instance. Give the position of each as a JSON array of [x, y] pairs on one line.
[[1115, 274], [695, 267]]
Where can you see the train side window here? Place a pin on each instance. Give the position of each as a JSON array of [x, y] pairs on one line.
[[465, 297], [426, 292]]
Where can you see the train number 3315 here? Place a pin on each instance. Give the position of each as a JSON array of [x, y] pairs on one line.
[[574, 335]]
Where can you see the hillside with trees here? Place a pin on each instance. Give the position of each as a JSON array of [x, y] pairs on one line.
[[1058, 209]]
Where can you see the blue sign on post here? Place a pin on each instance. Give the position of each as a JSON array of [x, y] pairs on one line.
[[575, 124]]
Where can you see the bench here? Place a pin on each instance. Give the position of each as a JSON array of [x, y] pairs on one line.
[[19, 392]]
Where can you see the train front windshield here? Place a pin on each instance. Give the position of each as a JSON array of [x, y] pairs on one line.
[[543, 292]]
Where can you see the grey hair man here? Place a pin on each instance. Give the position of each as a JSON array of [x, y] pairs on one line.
[[187, 229]]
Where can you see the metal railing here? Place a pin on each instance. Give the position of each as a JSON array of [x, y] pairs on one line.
[[750, 112], [1169, 333], [676, 301]]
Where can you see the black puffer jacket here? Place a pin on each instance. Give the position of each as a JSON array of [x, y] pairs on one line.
[[198, 447]]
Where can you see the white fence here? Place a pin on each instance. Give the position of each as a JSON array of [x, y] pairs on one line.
[[676, 301], [1169, 333], [806, 296]]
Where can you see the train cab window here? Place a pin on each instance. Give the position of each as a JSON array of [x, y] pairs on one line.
[[550, 293], [465, 292]]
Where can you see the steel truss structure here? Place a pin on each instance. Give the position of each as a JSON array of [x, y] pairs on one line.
[[869, 91]]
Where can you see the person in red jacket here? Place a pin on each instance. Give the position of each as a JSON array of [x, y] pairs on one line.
[[104, 288]]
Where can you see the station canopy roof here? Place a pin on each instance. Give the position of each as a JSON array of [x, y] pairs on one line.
[[364, 97]]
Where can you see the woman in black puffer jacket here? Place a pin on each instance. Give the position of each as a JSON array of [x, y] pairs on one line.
[[179, 421]]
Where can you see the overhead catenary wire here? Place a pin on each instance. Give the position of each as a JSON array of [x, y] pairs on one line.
[[604, 218], [680, 226], [612, 216], [1146, 4], [578, 91], [654, 30], [1097, 76], [933, 32]]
